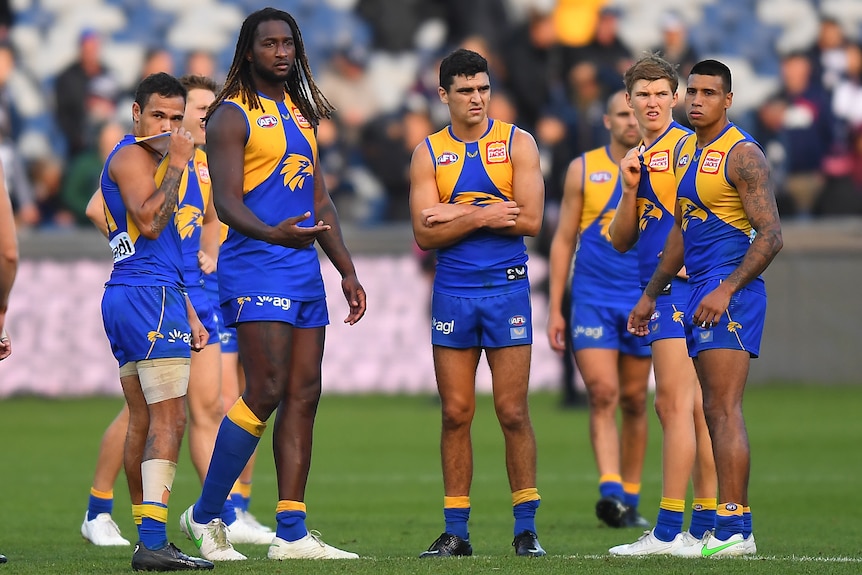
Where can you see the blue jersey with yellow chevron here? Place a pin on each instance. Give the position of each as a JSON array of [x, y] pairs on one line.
[[190, 215], [603, 276], [478, 173], [278, 183], [140, 261], [715, 229], [657, 199]]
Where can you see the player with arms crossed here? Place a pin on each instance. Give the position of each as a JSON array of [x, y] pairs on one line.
[[475, 191], [727, 231], [267, 187], [645, 215], [614, 364]]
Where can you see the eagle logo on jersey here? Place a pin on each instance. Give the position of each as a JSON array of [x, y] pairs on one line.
[[677, 315], [648, 211], [690, 212], [605, 224], [296, 170], [152, 336], [188, 218]]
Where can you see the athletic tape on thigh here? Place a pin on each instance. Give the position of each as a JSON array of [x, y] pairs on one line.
[[164, 378], [130, 368]]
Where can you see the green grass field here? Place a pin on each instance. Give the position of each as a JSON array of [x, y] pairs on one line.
[[375, 488]]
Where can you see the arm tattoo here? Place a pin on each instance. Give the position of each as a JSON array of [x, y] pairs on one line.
[[171, 189], [751, 175]]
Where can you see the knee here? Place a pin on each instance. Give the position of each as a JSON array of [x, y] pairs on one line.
[[633, 404], [263, 397], [457, 414], [669, 408], [513, 416], [603, 397]]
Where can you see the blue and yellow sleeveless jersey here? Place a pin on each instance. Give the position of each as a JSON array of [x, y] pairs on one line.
[[139, 261], [278, 183], [190, 215], [656, 201], [602, 276], [716, 232], [479, 173]]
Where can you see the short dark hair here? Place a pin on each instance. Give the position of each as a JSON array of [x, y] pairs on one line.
[[196, 82], [714, 68], [159, 83], [461, 62]]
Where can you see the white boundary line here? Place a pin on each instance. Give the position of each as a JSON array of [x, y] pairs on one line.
[[791, 558]]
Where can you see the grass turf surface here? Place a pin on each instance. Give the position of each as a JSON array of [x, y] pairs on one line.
[[375, 488]]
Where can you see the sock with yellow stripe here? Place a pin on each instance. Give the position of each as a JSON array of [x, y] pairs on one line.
[[746, 522], [237, 439], [100, 502], [456, 513], [670, 516], [290, 516], [631, 494], [240, 494], [157, 477], [702, 516], [611, 485], [728, 520], [525, 502]]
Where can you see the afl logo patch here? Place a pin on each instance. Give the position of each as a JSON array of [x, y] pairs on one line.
[[659, 161], [683, 161], [496, 153], [517, 320], [600, 177], [447, 158], [267, 121], [203, 173], [711, 162], [300, 119]]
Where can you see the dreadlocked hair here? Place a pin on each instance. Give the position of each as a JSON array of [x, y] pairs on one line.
[[300, 85]]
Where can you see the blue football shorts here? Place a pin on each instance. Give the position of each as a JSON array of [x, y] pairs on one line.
[[741, 326], [301, 314], [666, 322], [226, 335], [603, 327], [146, 322], [503, 320], [205, 308]]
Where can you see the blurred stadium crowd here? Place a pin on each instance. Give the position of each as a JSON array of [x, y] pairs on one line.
[[68, 69]]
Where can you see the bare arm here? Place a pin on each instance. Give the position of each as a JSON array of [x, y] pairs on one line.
[[332, 242], [528, 186], [96, 212], [8, 262], [749, 172], [562, 250], [425, 195], [208, 253], [151, 208], [226, 138], [624, 227]]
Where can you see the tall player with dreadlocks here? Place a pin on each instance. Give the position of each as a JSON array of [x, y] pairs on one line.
[[268, 188]]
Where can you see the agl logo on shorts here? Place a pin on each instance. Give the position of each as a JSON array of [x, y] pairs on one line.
[[444, 327]]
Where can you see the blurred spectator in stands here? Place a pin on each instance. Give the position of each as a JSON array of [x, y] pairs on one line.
[[7, 18], [828, 56], [72, 88], [46, 173], [584, 109], [575, 21], [349, 88], [807, 132], [768, 129], [847, 93], [81, 177], [394, 24], [482, 18], [18, 186], [203, 63], [532, 60], [674, 46], [606, 52]]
